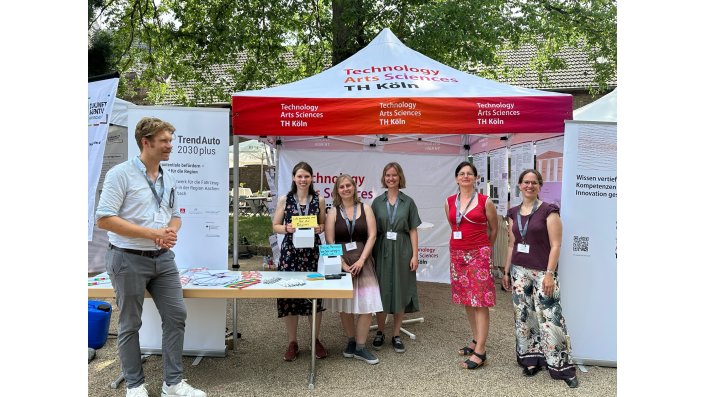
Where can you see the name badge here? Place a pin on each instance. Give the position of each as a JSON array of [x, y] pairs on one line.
[[523, 248], [351, 246], [391, 235], [457, 235], [159, 218]]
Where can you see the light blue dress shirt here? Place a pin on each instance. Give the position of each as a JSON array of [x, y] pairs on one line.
[[127, 194]]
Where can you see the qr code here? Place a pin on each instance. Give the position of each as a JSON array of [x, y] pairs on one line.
[[581, 243]]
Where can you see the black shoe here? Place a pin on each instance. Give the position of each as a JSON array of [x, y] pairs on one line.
[[531, 371], [467, 350], [397, 344], [469, 364], [378, 340], [572, 383]]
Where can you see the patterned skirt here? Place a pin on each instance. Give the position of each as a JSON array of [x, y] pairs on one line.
[[471, 281]]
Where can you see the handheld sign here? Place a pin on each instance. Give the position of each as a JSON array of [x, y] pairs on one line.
[[304, 221], [330, 250]]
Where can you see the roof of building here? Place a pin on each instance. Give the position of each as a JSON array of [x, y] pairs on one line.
[[578, 75]]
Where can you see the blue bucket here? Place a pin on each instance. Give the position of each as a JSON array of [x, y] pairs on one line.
[[98, 323]]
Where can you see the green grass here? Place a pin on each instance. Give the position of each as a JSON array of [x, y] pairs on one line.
[[255, 228]]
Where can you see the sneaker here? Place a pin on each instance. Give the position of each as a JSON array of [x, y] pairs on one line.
[[365, 355], [350, 349], [139, 391], [181, 389], [321, 351], [291, 351], [398, 345], [378, 341]]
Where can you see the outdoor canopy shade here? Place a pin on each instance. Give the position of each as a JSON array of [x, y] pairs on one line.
[[388, 88]]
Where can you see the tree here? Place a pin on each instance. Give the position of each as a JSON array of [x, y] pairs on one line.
[[279, 41], [100, 44]]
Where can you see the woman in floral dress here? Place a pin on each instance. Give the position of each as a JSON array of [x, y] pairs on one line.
[[301, 200]]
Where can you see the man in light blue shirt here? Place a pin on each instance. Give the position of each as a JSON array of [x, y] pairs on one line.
[[138, 209]]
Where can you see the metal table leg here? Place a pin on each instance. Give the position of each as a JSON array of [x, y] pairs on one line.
[[235, 334], [312, 374]]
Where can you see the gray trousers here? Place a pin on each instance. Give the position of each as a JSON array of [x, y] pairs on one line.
[[131, 275]]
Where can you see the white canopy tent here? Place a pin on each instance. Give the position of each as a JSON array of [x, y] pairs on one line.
[[389, 98], [603, 109]]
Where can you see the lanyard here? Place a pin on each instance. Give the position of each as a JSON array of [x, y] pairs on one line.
[[390, 213], [459, 214], [298, 206], [154, 190], [523, 229], [347, 221]]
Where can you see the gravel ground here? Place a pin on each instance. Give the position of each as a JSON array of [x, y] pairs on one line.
[[430, 365]]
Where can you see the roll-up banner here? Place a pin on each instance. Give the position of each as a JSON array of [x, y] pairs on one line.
[[199, 161], [101, 96], [588, 261]]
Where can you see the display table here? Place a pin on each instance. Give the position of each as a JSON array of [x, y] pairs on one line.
[[341, 288]]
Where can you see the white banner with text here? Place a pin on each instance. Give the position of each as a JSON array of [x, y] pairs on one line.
[[429, 180], [101, 96], [199, 161], [588, 260]]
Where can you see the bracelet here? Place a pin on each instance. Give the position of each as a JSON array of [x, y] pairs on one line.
[[551, 271]]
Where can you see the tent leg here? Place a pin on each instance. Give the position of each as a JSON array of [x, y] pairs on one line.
[[236, 195]]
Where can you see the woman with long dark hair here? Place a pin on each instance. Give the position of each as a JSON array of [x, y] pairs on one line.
[[301, 200]]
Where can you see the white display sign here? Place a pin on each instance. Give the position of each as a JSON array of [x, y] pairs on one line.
[[588, 260], [101, 96], [522, 158], [499, 179], [480, 162], [430, 179], [199, 161]]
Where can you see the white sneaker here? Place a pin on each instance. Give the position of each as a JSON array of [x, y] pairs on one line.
[[181, 389], [139, 391]]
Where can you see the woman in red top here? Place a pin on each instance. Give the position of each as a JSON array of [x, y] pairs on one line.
[[473, 222]]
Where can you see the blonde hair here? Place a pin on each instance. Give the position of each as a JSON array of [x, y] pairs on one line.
[[337, 200], [402, 179], [148, 127]]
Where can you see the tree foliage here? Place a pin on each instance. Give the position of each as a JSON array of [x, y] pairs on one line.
[[270, 42]]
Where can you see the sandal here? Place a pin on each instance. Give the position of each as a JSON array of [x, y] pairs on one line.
[[469, 364], [467, 350]]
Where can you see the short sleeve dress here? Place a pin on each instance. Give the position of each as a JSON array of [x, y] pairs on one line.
[[298, 259], [366, 298], [397, 283]]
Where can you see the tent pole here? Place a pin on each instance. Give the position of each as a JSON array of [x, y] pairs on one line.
[[236, 199]]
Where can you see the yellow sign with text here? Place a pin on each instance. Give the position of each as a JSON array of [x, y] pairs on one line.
[[304, 221]]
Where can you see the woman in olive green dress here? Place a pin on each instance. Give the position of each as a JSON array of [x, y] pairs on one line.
[[396, 253]]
